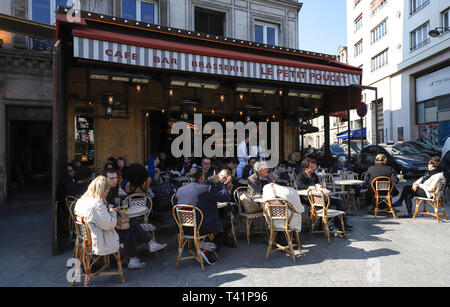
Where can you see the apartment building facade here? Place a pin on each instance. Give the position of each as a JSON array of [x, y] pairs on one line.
[[389, 40], [26, 76]]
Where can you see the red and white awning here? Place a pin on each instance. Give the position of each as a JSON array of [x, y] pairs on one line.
[[153, 53]]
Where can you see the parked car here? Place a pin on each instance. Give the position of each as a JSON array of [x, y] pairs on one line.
[[424, 148], [403, 158]]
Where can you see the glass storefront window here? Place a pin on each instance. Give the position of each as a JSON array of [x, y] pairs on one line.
[[84, 139], [431, 114]]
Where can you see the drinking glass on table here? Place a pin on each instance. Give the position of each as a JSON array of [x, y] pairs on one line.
[[117, 202], [125, 205]]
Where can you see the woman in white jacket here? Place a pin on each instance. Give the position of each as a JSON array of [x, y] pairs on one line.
[[423, 187], [101, 220]]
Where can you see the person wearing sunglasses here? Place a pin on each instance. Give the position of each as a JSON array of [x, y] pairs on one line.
[[423, 187]]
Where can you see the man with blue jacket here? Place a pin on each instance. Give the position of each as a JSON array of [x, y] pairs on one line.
[[205, 197]]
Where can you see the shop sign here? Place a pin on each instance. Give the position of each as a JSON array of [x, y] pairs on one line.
[[433, 85], [154, 58]]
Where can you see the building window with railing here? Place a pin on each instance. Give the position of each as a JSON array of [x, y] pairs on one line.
[[380, 60], [358, 48], [445, 21], [377, 5], [419, 37], [140, 10], [379, 31], [418, 5], [358, 23]]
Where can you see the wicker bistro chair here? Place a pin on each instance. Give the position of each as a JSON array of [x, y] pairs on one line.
[[249, 217], [363, 193], [70, 201], [337, 189], [280, 210], [437, 201], [385, 185], [86, 256], [319, 209], [349, 175], [186, 216], [143, 199]]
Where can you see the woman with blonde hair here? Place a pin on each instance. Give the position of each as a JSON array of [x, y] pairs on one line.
[[101, 220]]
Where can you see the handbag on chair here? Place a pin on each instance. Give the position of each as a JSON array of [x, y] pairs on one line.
[[249, 205]]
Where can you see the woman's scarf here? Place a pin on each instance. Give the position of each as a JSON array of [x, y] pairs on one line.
[[430, 173]]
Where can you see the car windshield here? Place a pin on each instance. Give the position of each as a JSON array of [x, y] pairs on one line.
[[358, 146], [425, 146], [402, 149]]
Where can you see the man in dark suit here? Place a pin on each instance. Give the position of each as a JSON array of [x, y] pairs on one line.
[[379, 169], [259, 179], [308, 178], [205, 197]]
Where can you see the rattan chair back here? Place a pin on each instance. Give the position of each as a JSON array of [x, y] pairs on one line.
[[186, 216], [140, 199], [277, 209]]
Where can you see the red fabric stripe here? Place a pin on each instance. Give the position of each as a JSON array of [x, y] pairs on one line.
[[201, 50]]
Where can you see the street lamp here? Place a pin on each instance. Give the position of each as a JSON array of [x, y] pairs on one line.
[[436, 33]]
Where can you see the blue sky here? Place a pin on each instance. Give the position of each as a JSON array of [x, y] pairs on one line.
[[322, 25]]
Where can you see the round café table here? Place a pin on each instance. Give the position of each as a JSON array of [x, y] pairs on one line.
[[181, 179], [136, 211]]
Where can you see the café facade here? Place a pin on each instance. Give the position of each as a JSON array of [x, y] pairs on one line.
[[121, 84]]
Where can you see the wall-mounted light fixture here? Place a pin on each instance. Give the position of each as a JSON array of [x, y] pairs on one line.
[[222, 98], [170, 92], [103, 75], [436, 33], [194, 83], [305, 94], [245, 88]]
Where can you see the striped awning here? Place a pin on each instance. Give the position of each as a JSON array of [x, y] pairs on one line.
[[159, 54]]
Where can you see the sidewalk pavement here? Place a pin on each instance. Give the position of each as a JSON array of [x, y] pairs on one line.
[[378, 252]]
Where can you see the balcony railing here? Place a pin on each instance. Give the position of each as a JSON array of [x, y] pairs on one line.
[[420, 45]]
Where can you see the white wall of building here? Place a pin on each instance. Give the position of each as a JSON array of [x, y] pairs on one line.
[[396, 80]]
